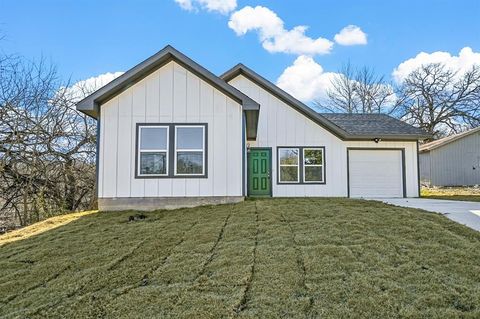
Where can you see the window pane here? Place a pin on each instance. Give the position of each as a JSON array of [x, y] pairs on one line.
[[313, 157], [289, 174], [189, 162], [288, 156], [153, 163], [153, 138], [313, 174], [189, 138]]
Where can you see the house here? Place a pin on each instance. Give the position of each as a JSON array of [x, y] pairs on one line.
[[173, 134], [452, 161]]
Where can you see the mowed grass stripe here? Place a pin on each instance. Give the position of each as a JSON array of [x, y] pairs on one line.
[[246, 294], [301, 265], [277, 279]]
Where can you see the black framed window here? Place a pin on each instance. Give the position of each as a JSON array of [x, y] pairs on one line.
[[301, 165], [313, 164], [289, 165], [171, 150], [189, 150], [153, 150]]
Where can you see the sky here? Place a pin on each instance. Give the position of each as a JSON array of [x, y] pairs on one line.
[[297, 44]]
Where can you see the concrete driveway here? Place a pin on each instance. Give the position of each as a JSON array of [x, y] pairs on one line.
[[466, 213]]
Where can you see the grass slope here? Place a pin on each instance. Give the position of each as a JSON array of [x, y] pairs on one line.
[[42, 226], [273, 258]]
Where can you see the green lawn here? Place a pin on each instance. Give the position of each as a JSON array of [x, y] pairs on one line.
[[272, 258], [452, 193]]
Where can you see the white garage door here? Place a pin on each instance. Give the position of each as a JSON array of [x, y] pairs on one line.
[[375, 173]]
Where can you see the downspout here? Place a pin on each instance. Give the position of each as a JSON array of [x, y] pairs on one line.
[[418, 169], [244, 153], [97, 158]]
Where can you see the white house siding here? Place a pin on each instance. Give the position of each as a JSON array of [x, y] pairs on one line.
[[453, 164], [281, 125], [171, 94]]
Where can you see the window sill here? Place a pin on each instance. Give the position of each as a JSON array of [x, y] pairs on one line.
[[171, 177], [303, 183]]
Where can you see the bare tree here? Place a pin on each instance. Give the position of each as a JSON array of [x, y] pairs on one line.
[[358, 91], [47, 148], [373, 92], [341, 97], [440, 100]]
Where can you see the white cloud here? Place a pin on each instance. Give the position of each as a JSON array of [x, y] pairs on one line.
[[220, 6], [273, 35], [351, 35], [305, 79], [81, 89], [461, 63]]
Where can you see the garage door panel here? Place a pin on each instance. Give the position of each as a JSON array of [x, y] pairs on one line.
[[376, 173]]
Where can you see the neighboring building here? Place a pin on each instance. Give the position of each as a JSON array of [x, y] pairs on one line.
[[452, 161], [173, 134]]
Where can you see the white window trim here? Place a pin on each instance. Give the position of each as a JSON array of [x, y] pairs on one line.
[[314, 165], [140, 150], [176, 150], [280, 165]]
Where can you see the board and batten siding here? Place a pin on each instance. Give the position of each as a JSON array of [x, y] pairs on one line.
[[171, 94], [281, 125], [456, 163]]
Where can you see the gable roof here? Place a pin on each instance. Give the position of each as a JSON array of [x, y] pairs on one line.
[[446, 140], [90, 105], [344, 126], [241, 69], [379, 125]]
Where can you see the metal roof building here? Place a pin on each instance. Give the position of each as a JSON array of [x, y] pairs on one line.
[[452, 161]]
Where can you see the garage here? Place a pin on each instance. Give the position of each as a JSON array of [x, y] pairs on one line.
[[376, 173]]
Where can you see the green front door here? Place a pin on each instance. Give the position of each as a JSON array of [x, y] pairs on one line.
[[259, 171]]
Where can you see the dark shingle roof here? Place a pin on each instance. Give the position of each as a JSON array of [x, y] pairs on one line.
[[373, 124]]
